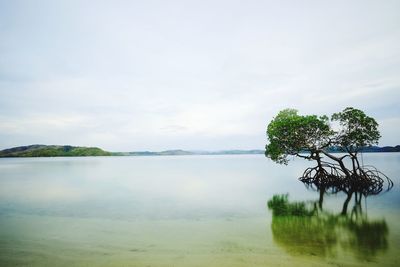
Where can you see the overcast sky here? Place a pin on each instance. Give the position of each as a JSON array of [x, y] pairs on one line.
[[209, 75]]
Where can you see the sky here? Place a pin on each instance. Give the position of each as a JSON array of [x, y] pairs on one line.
[[196, 75]]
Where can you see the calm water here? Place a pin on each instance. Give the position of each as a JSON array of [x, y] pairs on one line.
[[185, 211]]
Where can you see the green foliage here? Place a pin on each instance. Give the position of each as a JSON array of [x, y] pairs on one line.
[[290, 134], [305, 235], [322, 233], [53, 151], [366, 238], [356, 129], [280, 206]]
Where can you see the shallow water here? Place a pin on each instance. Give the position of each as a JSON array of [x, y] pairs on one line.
[[184, 211]]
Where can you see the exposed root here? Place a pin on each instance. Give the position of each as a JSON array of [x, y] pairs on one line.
[[332, 179]]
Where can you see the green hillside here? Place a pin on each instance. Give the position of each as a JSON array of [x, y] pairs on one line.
[[53, 151]]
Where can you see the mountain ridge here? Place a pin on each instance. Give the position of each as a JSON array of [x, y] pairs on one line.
[[38, 150]]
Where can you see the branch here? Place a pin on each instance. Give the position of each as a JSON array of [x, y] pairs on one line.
[[338, 160], [304, 157]]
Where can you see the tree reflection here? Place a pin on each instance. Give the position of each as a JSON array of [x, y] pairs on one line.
[[329, 178], [304, 228], [365, 238]]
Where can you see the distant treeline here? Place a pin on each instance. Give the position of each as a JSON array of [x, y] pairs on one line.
[[53, 151], [370, 149], [78, 151], [185, 152]]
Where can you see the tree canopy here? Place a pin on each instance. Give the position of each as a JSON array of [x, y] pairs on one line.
[[356, 129], [291, 134], [312, 137]]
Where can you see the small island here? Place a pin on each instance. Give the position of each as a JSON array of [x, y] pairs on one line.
[[53, 151], [81, 151]]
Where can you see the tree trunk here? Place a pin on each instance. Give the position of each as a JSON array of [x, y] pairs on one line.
[[321, 197], [346, 202], [339, 161]]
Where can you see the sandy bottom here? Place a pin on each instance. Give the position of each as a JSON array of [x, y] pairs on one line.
[[31, 240]]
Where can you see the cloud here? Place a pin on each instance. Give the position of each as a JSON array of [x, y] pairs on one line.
[[141, 75]]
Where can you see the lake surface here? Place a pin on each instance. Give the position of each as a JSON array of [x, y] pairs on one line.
[[185, 211]]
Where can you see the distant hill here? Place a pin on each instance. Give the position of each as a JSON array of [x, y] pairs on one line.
[[370, 149], [185, 152], [382, 149], [77, 151], [53, 151]]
